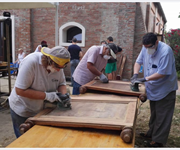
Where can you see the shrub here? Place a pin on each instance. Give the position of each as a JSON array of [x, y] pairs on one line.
[[173, 39]]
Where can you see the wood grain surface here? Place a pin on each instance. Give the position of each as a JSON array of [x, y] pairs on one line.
[[92, 111], [56, 137]]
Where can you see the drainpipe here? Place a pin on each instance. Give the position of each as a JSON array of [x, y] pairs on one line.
[[56, 24]]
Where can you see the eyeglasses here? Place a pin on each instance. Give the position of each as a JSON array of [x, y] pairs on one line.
[[152, 46]]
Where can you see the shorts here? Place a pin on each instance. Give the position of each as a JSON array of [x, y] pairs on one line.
[[110, 67]]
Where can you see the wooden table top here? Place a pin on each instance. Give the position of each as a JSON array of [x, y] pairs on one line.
[[55, 137]]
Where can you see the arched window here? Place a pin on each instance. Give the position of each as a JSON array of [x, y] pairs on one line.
[[74, 32], [70, 30]]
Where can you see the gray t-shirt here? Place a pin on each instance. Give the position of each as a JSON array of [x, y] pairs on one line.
[[32, 75]]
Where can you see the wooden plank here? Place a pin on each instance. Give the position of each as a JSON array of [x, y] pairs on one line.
[[119, 87], [131, 110], [122, 66], [91, 113], [94, 97], [54, 137], [80, 123], [44, 112], [119, 64]]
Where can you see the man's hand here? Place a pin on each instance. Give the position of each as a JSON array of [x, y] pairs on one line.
[[65, 99], [103, 78], [140, 80], [134, 77], [52, 97]]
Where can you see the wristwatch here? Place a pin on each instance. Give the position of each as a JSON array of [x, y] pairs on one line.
[[146, 78]]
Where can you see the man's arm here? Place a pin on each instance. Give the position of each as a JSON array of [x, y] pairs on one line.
[[136, 68], [80, 55], [30, 93], [155, 76], [93, 69]]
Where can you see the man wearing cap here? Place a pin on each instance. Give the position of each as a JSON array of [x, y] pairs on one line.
[[43, 44], [40, 77], [91, 65]]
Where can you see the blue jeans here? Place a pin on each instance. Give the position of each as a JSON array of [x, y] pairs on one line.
[[74, 64], [16, 65], [76, 87], [17, 121]]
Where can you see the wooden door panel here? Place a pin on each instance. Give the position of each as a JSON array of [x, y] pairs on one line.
[[105, 112], [114, 86]]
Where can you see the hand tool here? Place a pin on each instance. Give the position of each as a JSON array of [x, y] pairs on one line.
[[134, 86], [64, 101]]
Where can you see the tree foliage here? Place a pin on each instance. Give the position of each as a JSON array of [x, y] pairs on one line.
[[173, 39]]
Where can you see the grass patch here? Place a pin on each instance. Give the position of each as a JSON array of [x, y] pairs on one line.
[[178, 75]]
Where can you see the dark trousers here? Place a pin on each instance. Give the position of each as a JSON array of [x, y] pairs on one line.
[[17, 121], [76, 87], [161, 118], [74, 64]]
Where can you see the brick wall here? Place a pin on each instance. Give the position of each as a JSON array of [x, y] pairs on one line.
[[140, 30], [123, 21], [102, 20]]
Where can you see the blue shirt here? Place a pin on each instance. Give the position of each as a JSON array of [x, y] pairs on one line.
[[161, 62]]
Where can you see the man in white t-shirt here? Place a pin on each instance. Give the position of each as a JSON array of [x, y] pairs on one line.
[[40, 77]]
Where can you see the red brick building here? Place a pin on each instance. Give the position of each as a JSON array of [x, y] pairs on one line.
[[126, 22]]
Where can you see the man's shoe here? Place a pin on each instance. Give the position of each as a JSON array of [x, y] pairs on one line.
[[144, 135], [154, 144]]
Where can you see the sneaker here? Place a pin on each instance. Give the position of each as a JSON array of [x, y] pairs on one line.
[[154, 144]]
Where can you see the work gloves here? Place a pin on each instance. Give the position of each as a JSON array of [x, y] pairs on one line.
[[140, 80], [103, 78], [52, 97], [134, 77]]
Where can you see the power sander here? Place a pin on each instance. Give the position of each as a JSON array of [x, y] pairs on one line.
[[134, 86], [64, 102]]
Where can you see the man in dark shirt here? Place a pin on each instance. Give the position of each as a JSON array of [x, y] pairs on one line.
[[76, 55]]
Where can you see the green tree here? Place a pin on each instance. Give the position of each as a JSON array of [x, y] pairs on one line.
[[173, 39]]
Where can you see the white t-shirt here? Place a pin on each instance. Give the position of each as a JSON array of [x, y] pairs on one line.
[[37, 48], [20, 57], [34, 76], [82, 74]]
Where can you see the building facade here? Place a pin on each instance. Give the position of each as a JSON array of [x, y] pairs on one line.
[[91, 23]]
